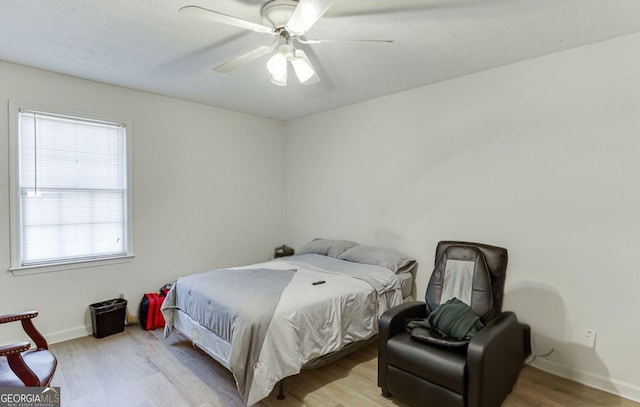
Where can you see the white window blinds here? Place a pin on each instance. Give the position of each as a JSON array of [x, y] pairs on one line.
[[72, 186]]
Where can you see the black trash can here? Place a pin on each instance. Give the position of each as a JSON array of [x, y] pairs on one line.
[[107, 317]]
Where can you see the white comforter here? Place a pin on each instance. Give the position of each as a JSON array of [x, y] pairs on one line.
[[309, 320]]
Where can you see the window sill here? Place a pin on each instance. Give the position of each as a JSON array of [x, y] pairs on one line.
[[47, 268]]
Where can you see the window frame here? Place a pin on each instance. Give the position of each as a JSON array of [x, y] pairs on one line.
[[16, 266]]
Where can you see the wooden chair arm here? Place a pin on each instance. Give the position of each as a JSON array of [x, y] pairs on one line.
[[24, 373], [14, 348], [25, 318], [14, 352], [18, 316]]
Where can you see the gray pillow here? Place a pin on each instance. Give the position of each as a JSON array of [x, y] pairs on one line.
[[327, 247], [387, 258]]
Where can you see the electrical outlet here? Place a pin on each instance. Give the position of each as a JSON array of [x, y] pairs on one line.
[[590, 338]]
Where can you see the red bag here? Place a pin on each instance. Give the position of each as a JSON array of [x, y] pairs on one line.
[[150, 315], [164, 290]]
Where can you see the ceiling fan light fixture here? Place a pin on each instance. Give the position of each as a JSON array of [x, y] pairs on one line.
[[302, 67], [277, 66]]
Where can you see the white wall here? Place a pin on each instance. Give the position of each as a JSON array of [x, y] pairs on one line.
[[541, 157], [208, 192]]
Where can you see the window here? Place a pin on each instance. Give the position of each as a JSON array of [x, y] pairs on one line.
[[70, 197]]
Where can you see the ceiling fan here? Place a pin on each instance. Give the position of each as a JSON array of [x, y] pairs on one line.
[[288, 21]]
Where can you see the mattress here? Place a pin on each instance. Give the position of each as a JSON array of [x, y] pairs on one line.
[[406, 286], [309, 320], [219, 349]]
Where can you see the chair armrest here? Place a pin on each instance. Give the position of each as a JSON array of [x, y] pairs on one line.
[[13, 353], [18, 316], [495, 357], [390, 323], [14, 348], [24, 373], [25, 318]]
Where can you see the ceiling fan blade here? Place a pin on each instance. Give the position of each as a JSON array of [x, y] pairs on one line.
[[307, 14], [303, 41], [200, 12], [245, 58]]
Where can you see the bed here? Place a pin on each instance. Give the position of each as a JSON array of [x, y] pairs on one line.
[[267, 321]]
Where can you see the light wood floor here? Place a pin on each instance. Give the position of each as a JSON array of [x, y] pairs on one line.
[[140, 368]]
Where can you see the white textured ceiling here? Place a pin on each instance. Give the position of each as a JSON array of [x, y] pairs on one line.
[[148, 45]]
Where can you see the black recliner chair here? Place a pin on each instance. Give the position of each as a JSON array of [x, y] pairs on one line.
[[431, 370]]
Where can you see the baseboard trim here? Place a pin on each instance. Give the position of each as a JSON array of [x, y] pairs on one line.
[[617, 387], [68, 334]]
